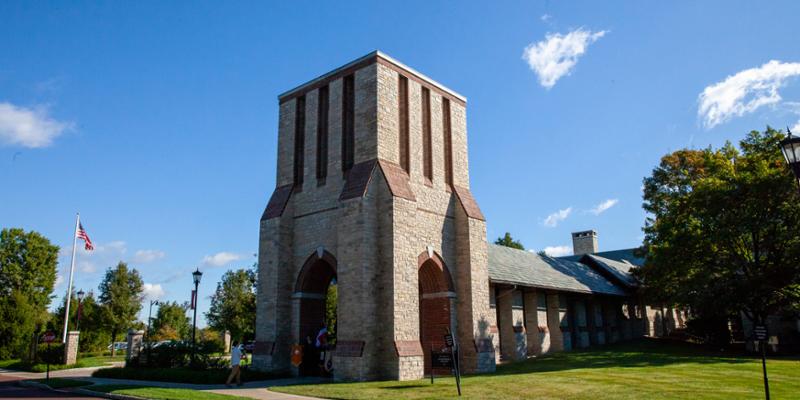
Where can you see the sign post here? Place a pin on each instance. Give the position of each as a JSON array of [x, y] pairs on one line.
[[48, 337], [448, 340], [761, 335]]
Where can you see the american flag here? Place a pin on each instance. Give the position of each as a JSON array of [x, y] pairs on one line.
[[82, 235]]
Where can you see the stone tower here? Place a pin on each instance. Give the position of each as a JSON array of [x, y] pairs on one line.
[[373, 193]]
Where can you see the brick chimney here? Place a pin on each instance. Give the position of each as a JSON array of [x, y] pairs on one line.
[[584, 242]]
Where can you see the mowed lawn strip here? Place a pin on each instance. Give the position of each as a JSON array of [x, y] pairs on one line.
[[637, 370], [149, 392], [83, 362]]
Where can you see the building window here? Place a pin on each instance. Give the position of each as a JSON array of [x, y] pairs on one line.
[[427, 140], [541, 302], [348, 119], [492, 296], [402, 96], [516, 300], [448, 143], [299, 139], [322, 135]]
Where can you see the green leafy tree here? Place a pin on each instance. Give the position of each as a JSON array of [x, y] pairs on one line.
[[722, 236], [173, 316], [331, 304], [508, 241], [27, 275], [233, 304], [121, 298], [94, 335]]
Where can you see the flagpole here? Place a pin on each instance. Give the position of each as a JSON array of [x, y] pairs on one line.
[[71, 271]]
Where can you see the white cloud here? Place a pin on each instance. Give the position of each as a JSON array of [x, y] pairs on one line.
[[553, 219], [87, 266], [557, 54], [59, 280], [29, 127], [744, 92], [558, 251], [220, 259], [796, 128], [152, 291], [147, 256], [602, 207], [103, 256], [546, 17]]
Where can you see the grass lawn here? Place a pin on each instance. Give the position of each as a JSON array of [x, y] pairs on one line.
[[83, 362], [646, 369], [148, 392], [58, 383], [182, 375]]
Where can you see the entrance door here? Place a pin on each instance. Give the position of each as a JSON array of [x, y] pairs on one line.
[[434, 309]]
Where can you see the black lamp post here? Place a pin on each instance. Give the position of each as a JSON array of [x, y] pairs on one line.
[[80, 308], [196, 275], [791, 152], [150, 316]]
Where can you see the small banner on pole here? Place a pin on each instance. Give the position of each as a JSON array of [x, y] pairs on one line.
[[194, 299]]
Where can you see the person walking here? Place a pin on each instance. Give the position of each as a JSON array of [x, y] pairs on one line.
[[236, 360]]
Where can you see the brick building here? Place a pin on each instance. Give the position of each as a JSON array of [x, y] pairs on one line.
[[373, 194]]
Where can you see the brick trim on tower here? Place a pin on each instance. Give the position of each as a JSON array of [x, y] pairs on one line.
[[468, 203], [397, 179], [277, 202], [358, 178]]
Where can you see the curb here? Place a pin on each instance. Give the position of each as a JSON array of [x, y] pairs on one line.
[[32, 384], [113, 396], [87, 392]]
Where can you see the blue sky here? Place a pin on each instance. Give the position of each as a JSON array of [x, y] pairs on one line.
[[157, 121]]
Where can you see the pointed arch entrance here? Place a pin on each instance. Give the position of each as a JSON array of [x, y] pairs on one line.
[[436, 304], [313, 296]]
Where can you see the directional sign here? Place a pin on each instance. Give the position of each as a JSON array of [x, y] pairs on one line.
[[48, 337], [760, 332]]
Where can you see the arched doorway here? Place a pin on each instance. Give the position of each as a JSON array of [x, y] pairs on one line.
[[435, 305], [316, 292]]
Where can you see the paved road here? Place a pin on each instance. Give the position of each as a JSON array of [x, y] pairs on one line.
[[254, 390], [10, 390]]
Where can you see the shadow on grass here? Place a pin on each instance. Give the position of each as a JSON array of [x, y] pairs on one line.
[[409, 386], [640, 353]]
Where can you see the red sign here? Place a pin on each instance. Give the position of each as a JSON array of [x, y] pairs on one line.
[[48, 337]]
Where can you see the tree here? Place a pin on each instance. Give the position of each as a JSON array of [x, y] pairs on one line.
[[233, 304], [508, 241], [331, 307], [121, 298], [27, 276], [722, 233], [94, 335], [172, 317]]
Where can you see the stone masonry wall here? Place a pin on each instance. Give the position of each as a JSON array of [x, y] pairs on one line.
[[376, 239]]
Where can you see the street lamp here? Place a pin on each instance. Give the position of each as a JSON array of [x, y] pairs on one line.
[[80, 308], [791, 152], [150, 316], [196, 275]]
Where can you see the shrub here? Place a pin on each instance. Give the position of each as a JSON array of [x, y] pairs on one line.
[[179, 354], [711, 330], [52, 353]]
